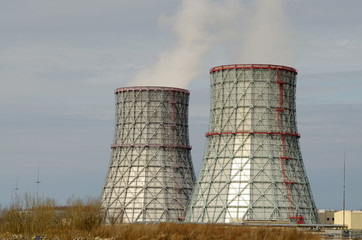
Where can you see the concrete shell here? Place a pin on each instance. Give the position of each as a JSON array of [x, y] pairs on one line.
[[252, 168], [150, 175]]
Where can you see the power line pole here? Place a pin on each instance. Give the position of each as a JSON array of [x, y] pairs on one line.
[[37, 187], [16, 189]]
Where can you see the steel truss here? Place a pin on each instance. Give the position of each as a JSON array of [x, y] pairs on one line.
[[252, 168], [150, 175]]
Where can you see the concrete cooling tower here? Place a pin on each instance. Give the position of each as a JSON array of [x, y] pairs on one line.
[[252, 168], [150, 175]]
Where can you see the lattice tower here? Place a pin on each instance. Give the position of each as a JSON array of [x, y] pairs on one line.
[[252, 168], [150, 176]]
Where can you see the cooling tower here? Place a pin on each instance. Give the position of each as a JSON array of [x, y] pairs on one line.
[[150, 176], [252, 168]]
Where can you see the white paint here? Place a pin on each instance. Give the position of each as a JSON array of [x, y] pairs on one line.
[[239, 190]]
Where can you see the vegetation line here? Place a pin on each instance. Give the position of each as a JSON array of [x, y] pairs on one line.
[[31, 217]]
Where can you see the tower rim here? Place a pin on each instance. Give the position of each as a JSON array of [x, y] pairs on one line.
[[253, 66], [150, 88]]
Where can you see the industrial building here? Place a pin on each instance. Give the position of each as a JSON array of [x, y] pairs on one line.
[[252, 168], [150, 175], [326, 216], [352, 219]]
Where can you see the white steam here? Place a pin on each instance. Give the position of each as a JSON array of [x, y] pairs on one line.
[[267, 37], [252, 36]]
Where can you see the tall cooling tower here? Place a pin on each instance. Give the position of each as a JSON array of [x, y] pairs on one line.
[[252, 168], [150, 176]]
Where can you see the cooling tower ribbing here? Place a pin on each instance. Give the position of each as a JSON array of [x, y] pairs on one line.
[[150, 176], [252, 168]]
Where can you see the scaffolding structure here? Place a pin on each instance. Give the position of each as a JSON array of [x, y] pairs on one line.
[[252, 168], [150, 176]]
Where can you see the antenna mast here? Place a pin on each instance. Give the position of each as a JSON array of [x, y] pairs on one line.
[[344, 186]]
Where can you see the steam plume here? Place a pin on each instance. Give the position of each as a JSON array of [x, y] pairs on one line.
[[268, 35], [196, 25], [254, 36]]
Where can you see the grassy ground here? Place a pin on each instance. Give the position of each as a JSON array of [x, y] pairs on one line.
[[172, 231], [31, 217]]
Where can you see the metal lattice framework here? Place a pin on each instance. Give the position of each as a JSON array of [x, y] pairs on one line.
[[252, 168], [150, 176]]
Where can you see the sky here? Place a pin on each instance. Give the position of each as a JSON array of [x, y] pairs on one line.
[[60, 62]]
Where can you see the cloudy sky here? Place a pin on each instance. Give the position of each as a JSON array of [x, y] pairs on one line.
[[61, 60]]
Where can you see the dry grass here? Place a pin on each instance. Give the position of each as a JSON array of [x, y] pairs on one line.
[[31, 217], [28, 215], [173, 231]]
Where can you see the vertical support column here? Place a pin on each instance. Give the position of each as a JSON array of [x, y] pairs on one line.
[[175, 165], [284, 156]]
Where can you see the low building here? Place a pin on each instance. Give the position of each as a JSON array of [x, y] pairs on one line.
[[352, 219], [326, 216]]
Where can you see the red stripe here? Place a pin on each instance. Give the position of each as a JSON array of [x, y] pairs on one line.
[[253, 66], [151, 145], [235, 133], [150, 88]]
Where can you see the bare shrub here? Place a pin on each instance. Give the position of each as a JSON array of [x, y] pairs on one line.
[[83, 215], [31, 217], [28, 215]]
